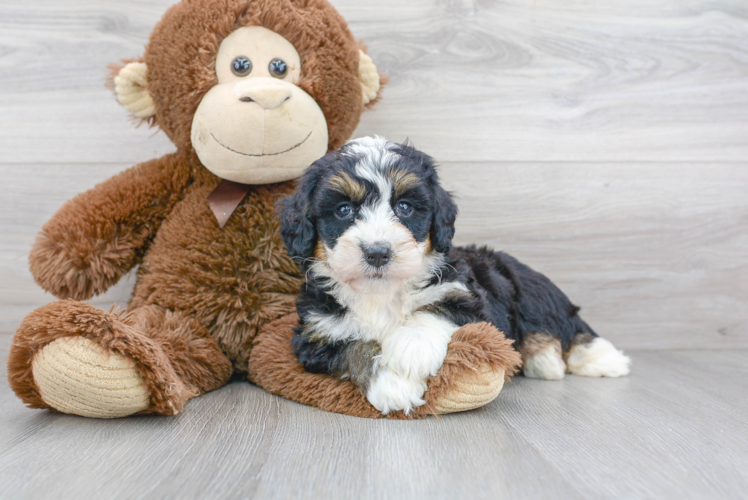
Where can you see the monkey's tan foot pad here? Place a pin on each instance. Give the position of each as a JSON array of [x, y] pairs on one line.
[[479, 360], [78, 376], [471, 390]]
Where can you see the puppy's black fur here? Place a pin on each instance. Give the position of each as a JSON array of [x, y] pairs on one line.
[[511, 296], [502, 291]]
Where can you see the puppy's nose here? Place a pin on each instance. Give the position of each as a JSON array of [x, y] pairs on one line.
[[269, 97], [377, 254]]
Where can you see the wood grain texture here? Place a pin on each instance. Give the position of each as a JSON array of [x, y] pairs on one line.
[[654, 253], [541, 80], [673, 429], [472, 80]]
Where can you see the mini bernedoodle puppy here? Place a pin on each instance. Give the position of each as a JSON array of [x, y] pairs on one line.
[[385, 291]]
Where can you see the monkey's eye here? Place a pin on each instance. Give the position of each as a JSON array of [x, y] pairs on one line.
[[404, 209], [278, 68], [241, 66], [344, 211]]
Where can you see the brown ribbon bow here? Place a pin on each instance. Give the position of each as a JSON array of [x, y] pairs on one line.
[[225, 198]]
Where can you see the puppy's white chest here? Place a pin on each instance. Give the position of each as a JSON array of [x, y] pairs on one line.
[[382, 315]]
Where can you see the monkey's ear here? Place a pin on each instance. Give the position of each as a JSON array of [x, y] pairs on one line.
[[371, 81], [131, 88]]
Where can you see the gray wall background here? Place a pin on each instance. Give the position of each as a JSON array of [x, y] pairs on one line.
[[603, 143]]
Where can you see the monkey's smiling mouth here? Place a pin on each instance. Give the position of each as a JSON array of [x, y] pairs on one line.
[[266, 154]]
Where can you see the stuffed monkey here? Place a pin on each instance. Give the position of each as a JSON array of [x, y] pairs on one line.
[[251, 92]]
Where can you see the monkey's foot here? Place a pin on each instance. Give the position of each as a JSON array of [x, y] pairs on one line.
[[470, 391], [77, 359], [479, 360], [77, 376]]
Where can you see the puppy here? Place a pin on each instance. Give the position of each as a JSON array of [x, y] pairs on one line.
[[372, 228]]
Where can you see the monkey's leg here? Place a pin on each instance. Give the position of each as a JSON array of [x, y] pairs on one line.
[[472, 375], [77, 359], [479, 360], [274, 367]]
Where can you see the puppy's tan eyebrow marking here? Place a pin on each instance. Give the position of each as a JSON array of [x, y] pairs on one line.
[[402, 181], [343, 183]]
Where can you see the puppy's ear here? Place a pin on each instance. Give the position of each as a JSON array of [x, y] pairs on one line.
[[297, 227], [443, 223], [445, 211]]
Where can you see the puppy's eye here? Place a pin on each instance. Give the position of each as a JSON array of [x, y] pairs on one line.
[[241, 66], [343, 211], [404, 209], [278, 68]]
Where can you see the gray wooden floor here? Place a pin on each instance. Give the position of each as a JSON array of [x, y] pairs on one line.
[[604, 143], [676, 428]]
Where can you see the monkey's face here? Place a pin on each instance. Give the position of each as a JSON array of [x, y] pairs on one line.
[[258, 89], [256, 126]]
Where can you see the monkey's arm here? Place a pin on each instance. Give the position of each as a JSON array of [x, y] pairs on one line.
[[99, 235]]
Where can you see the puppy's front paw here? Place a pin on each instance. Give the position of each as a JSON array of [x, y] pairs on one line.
[[391, 392], [414, 352]]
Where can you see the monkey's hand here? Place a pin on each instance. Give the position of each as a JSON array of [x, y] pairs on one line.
[[102, 233]]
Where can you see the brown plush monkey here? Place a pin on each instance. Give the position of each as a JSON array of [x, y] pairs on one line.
[[251, 92]]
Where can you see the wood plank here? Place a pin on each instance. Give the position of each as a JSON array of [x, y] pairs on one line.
[[673, 429], [668, 419], [654, 253], [517, 80], [30, 195], [65, 112]]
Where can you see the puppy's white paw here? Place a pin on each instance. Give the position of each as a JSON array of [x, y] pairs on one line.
[[545, 364], [391, 392], [412, 353], [599, 358]]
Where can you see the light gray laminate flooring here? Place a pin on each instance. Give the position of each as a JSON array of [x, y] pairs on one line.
[[676, 428]]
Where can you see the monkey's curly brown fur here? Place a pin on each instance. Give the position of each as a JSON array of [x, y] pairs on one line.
[[204, 294]]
